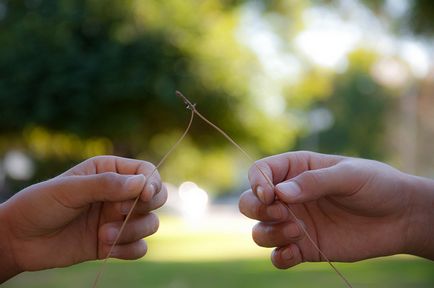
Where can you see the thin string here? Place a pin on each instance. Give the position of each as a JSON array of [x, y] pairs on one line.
[[192, 107], [121, 230]]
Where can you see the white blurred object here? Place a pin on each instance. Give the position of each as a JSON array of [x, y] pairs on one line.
[[390, 72], [397, 8], [320, 119], [194, 201], [18, 165], [328, 38], [417, 56]]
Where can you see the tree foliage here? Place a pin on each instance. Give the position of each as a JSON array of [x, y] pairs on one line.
[[84, 77], [108, 70]]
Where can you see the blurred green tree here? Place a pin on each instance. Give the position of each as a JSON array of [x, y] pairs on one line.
[[78, 72], [85, 77], [359, 106]]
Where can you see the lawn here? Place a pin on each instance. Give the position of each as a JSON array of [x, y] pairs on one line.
[[392, 272], [220, 253]]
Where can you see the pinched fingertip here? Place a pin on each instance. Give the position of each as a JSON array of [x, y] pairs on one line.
[[149, 192], [135, 183], [266, 196], [288, 191]]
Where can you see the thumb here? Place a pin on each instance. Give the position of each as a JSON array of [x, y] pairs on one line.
[[314, 184], [79, 191]]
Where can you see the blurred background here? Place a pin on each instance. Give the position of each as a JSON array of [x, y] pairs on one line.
[[80, 78]]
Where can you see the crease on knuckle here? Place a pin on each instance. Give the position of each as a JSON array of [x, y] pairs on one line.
[[313, 179], [110, 181]]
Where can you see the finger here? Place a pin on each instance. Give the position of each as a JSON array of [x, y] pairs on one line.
[[281, 167], [107, 163], [286, 256], [152, 187], [153, 181], [144, 207], [135, 229], [314, 184], [80, 191], [276, 234], [130, 251], [251, 207], [259, 174], [125, 166]]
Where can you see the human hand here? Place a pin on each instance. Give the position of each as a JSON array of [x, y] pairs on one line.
[[352, 208], [77, 215]]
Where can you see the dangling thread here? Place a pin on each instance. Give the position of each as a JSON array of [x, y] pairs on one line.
[[103, 265], [192, 107]]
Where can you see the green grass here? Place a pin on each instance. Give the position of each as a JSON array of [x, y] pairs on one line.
[[387, 272], [221, 253]]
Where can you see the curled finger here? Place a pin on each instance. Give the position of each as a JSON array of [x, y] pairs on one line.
[[276, 234], [135, 229], [144, 207], [130, 251], [286, 256], [253, 208]]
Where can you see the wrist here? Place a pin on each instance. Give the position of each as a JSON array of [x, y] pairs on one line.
[[8, 265], [420, 220]]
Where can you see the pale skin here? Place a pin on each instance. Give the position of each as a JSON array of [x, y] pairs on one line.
[[76, 216], [352, 208]]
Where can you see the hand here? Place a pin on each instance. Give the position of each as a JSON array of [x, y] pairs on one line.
[[352, 208], [76, 216]]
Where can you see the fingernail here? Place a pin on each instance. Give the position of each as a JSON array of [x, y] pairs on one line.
[[289, 189], [135, 182], [151, 189], [287, 254], [112, 233], [261, 194]]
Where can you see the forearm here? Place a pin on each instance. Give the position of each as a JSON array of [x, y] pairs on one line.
[[421, 218], [8, 266]]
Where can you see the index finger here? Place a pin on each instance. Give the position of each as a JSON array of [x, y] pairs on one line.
[[124, 166], [281, 167]]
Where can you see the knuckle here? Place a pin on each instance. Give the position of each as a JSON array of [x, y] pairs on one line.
[[311, 177], [349, 166], [148, 167], [110, 181], [109, 178]]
